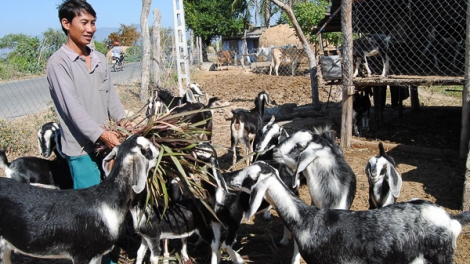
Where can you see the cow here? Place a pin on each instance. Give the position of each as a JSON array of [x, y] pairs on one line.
[[289, 54], [224, 56]]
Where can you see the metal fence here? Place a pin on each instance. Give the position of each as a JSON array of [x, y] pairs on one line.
[[424, 37]]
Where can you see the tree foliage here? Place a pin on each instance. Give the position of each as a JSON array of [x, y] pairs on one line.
[[309, 14], [30, 54], [212, 18], [126, 35]]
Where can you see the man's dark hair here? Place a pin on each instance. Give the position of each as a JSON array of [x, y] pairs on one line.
[[72, 8]]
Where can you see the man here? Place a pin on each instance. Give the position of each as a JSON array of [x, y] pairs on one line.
[[83, 93], [118, 53]]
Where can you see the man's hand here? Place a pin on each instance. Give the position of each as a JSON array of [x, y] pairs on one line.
[[110, 138]]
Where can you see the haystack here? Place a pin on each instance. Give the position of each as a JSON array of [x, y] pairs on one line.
[[280, 35]]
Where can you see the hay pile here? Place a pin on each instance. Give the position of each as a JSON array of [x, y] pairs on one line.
[[280, 35]]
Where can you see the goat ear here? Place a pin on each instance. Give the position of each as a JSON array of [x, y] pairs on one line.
[[394, 180], [256, 197], [305, 158], [140, 171], [108, 161]]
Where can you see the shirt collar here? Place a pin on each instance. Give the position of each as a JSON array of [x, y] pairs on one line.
[[74, 56]]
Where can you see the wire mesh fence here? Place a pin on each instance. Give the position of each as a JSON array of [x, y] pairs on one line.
[[423, 37]]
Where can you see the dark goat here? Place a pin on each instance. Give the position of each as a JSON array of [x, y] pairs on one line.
[[368, 46], [361, 108], [179, 220], [80, 225], [37, 171], [246, 125]]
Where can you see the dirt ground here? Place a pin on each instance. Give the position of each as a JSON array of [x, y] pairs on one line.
[[412, 140], [424, 144]]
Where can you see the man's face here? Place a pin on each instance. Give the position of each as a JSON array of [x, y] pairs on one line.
[[81, 28]]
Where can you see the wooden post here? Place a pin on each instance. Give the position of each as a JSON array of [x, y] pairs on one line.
[[347, 75], [156, 50], [464, 133], [144, 28]]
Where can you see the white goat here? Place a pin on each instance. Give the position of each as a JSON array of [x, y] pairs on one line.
[[384, 180], [414, 232], [80, 225], [330, 180]]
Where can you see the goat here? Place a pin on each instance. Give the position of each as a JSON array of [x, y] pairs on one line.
[[179, 220], [384, 180], [80, 225], [246, 124], [368, 46], [330, 180], [183, 217], [38, 171], [413, 232], [361, 108], [163, 100], [161, 103], [230, 208]]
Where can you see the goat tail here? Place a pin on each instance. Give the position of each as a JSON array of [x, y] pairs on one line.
[[463, 218], [325, 132], [4, 164]]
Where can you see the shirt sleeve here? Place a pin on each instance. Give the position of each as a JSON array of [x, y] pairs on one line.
[[63, 92]]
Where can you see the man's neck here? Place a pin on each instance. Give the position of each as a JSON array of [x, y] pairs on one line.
[[80, 50]]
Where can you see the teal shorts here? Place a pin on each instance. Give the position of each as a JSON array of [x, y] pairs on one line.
[[84, 170]]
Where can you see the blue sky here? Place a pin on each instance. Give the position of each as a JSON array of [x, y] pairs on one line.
[[33, 17]]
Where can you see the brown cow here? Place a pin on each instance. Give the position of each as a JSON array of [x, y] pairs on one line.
[[224, 56]]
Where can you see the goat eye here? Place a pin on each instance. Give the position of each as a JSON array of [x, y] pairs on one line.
[[144, 151], [383, 170]]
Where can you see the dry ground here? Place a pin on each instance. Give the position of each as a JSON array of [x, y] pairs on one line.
[[412, 140]]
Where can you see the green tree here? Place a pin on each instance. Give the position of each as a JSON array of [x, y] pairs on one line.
[[212, 18], [10, 41], [309, 14]]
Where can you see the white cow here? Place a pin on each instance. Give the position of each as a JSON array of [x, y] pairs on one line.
[[276, 55]]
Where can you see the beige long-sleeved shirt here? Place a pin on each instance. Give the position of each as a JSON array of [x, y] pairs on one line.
[[84, 99]]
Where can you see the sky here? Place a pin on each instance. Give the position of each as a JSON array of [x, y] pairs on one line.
[[33, 17]]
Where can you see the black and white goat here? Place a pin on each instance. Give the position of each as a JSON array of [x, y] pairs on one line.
[[229, 208], [384, 180], [179, 221], [330, 180], [413, 232], [80, 225], [368, 46], [48, 173], [162, 103], [246, 125]]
